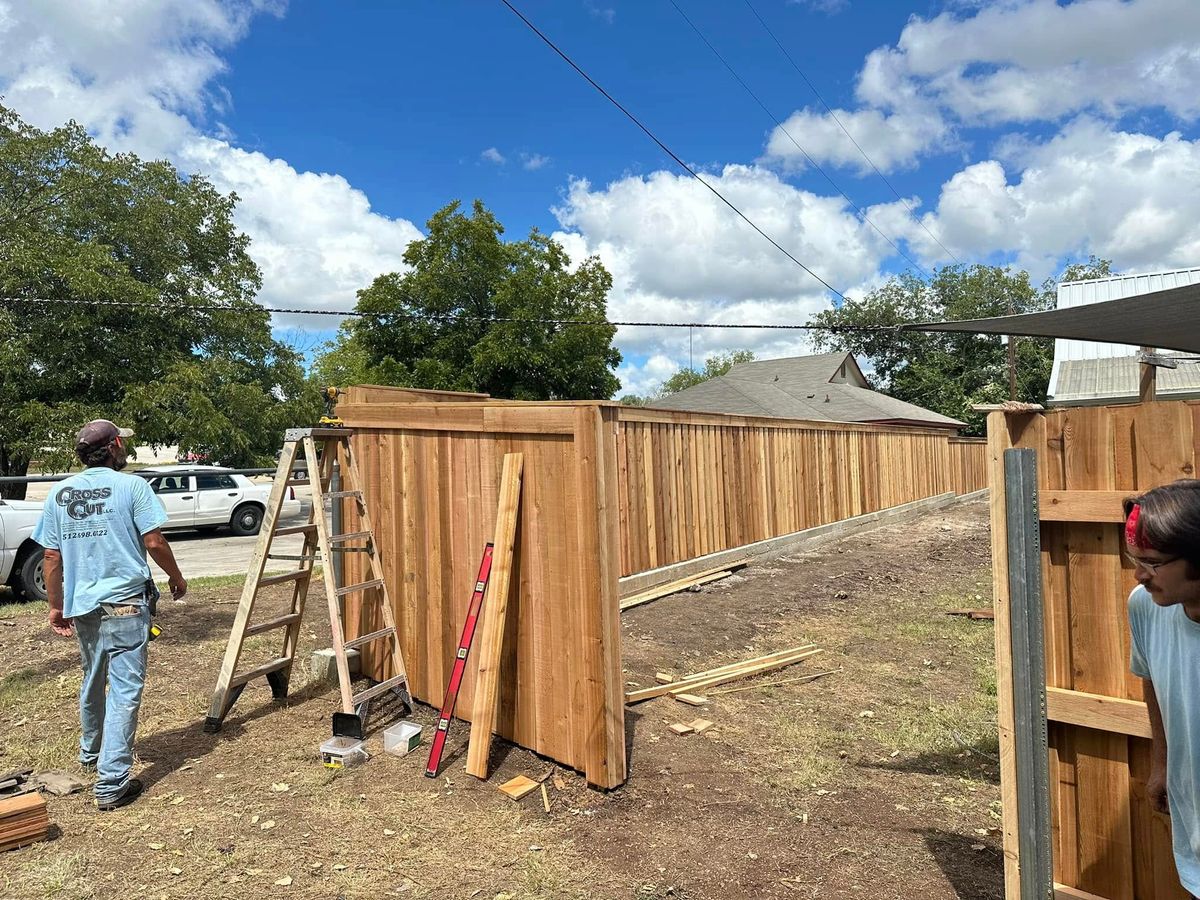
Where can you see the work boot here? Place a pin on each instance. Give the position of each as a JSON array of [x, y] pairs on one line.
[[133, 790]]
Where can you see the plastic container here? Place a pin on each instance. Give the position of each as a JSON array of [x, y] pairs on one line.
[[400, 738], [340, 752]]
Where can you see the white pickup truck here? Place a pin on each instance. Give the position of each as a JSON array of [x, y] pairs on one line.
[[20, 557]]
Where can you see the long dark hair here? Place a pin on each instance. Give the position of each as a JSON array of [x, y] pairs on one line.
[[1169, 520]]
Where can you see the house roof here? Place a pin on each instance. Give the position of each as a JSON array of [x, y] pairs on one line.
[[1079, 382], [825, 387]]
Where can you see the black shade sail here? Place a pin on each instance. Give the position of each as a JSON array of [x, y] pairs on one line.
[[1166, 320]]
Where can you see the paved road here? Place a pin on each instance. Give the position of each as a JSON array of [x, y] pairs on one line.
[[224, 554], [200, 554]]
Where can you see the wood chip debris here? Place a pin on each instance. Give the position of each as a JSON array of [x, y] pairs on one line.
[[518, 787]]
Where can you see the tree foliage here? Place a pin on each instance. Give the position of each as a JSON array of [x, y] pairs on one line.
[[716, 365], [470, 315], [147, 309], [950, 372]]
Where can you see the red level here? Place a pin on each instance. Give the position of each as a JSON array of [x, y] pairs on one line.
[[460, 664]]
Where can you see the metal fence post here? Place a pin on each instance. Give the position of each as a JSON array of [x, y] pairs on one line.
[[1031, 742]]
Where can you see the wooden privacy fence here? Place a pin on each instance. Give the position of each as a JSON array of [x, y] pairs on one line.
[[607, 490], [693, 484], [1107, 839]]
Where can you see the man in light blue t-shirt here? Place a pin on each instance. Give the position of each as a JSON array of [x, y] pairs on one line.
[[1162, 540], [96, 527]]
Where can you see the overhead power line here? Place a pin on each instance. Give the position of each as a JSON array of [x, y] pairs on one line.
[[446, 317], [665, 149], [856, 144], [861, 212]]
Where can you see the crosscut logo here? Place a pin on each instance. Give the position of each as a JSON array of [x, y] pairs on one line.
[[81, 503]]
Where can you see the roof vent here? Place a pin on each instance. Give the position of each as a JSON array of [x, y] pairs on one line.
[[826, 398]]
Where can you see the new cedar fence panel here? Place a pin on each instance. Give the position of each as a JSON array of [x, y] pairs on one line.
[[431, 472], [607, 491], [1107, 840], [968, 464], [693, 484]]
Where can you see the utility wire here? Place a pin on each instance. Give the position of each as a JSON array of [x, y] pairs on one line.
[[665, 149], [444, 317], [858, 146], [861, 212]]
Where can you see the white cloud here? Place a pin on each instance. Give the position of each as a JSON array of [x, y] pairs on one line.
[[891, 141], [605, 14], [1121, 195], [677, 254], [1029, 60], [534, 161], [829, 7], [140, 76], [492, 155]]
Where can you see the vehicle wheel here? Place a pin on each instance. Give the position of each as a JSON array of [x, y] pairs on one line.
[[30, 579], [247, 519]]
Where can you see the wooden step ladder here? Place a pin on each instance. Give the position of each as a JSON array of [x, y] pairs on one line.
[[319, 546]]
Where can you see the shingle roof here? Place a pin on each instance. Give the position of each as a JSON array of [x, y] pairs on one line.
[[1115, 379], [800, 388]]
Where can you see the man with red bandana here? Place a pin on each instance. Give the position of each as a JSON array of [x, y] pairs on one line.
[[1162, 541]]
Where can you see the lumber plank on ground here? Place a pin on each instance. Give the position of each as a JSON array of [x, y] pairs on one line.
[[495, 614], [704, 576], [683, 684], [24, 819], [757, 669], [766, 684], [692, 683]]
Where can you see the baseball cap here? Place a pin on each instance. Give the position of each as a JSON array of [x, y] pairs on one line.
[[99, 433]]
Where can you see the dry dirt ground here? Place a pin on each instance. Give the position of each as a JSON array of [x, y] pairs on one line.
[[877, 781]]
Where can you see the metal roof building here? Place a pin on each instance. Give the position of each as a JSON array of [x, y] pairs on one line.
[[826, 387], [1088, 372]]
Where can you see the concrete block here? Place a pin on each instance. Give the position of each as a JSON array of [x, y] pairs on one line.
[[323, 667]]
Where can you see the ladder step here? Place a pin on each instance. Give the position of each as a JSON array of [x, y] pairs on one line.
[[350, 536], [295, 529], [354, 588], [334, 495], [272, 623], [287, 576], [298, 482], [367, 638], [377, 689], [293, 558], [265, 669]]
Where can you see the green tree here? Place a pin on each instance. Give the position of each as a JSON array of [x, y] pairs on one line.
[[128, 293], [950, 372], [714, 366], [471, 314]]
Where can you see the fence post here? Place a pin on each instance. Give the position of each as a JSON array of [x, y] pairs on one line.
[[1028, 674]]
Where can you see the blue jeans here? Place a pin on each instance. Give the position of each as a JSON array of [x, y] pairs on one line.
[[113, 649]]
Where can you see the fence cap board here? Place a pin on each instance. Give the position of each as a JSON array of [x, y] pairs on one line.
[[686, 417], [477, 417]]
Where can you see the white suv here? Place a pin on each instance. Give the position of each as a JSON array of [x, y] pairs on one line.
[[207, 497], [20, 557]]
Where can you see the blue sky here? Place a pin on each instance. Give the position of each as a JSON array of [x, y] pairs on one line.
[[1022, 131]]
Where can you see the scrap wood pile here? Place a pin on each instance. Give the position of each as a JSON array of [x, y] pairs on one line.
[[686, 688], [23, 820]]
